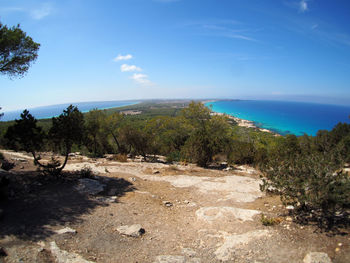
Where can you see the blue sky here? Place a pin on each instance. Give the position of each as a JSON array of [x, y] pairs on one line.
[[137, 49]]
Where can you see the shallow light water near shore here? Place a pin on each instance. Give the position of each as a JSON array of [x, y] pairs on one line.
[[47, 112], [285, 117]]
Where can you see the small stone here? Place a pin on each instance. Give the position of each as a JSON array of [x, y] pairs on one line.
[[156, 172], [317, 257], [41, 243], [290, 207], [289, 219], [170, 259], [66, 230], [65, 256], [186, 202], [340, 244], [188, 252], [337, 249], [132, 231], [167, 203]]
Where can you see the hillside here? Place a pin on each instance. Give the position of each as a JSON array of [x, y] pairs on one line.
[[188, 213]]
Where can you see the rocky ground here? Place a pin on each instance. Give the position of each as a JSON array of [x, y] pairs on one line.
[[153, 212]]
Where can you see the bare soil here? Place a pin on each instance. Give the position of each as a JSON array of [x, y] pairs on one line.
[[189, 214]]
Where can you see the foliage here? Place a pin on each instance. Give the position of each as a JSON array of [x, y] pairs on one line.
[[25, 135], [208, 136], [17, 51], [86, 172], [313, 183], [66, 130], [270, 221], [6, 165], [96, 138], [121, 157]]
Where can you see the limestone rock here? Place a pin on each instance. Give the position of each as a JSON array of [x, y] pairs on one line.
[[90, 186], [317, 257], [167, 203], [132, 231], [170, 259], [66, 230], [63, 256], [175, 259]]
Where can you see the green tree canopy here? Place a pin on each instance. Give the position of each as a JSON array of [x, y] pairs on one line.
[[17, 51]]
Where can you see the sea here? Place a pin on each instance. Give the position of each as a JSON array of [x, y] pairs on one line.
[[285, 117], [46, 112]]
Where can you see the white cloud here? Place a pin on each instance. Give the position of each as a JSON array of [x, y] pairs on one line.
[[129, 68], [42, 11], [303, 6], [141, 79], [37, 13], [121, 57], [314, 26]]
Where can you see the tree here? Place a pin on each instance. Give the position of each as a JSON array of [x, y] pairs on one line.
[[96, 138], [17, 51], [315, 184], [112, 126], [66, 130], [25, 135], [209, 134]]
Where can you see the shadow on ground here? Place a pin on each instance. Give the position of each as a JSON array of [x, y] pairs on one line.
[[36, 203]]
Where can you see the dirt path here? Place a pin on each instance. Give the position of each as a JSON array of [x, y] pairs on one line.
[[189, 214]]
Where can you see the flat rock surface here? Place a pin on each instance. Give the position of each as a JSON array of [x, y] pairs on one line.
[[214, 216]]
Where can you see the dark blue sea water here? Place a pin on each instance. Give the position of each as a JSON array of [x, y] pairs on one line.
[[285, 117], [55, 110]]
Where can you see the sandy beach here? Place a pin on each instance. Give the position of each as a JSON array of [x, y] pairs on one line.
[[243, 122]]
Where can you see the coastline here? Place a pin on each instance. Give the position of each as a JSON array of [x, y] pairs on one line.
[[244, 123]]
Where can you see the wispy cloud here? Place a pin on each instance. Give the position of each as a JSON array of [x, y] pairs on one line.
[[222, 28], [303, 7], [39, 13], [314, 26], [121, 57], [129, 68], [141, 79]]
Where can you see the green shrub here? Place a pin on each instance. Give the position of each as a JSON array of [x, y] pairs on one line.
[[314, 184], [86, 172], [174, 156], [270, 221], [121, 157], [6, 165]]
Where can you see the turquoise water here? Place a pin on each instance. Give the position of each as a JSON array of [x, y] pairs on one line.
[[55, 110], [285, 117]]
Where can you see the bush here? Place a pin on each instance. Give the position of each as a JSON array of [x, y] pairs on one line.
[[270, 221], [121, 157], [86, 172], [173, 157], [6, 165], [314, 184]]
